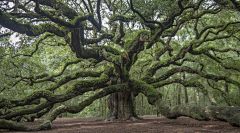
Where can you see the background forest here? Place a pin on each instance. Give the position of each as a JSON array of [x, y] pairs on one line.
[[186, 52]]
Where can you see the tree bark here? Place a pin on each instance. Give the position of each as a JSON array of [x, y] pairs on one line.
[[185, 91], [211, 98], [226, 88], [121, 107], [221, 113], [142, 105]]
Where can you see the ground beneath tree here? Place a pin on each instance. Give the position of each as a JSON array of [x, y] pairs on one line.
[[150, 124]]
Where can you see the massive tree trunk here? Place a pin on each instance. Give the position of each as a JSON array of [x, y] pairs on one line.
[[121, 106]]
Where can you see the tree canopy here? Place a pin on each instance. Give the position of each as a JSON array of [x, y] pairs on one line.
[[119, 48]]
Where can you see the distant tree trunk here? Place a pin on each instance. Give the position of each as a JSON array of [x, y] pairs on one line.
[[186, 95], [185, 91], [211, 98], [142, 105], [145, 109], [204, 100], [197, 96], [174, 98], [179, 94], [152, 110], [164, 99], [105, 109], [239, 91], [101, 107], [139, 105], [226, 87]]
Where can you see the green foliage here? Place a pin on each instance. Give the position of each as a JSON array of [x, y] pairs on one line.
[[142, 33], [208, 44]]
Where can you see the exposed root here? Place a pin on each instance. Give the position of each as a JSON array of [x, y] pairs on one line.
[[111, 118], [135, 118], [132, 118]]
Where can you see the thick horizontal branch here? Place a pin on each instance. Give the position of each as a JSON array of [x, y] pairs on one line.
[[58, 5], [122, 18], [99, 39], [45, 77], [72, 24], [31, 118], [221, 113], [206, 51], [148, 90], [143, 18], [73, 76], [77, 108], [223, 27], [26, 111], [159, 64], [183, 82], [51, 17], [132, 45], [160, 52], [27, 100], [29, 29], [189, 60], [116, 59], [73, 90], [60, 71], [30, 15], [5, 124], [190, 70]]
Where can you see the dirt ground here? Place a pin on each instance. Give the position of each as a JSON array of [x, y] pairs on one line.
[[150, 124]]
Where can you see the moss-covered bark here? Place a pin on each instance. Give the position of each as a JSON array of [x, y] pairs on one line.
[[28, 29], [121, 107], [5, 124], [75, 89], [65, 19], [229, 114]]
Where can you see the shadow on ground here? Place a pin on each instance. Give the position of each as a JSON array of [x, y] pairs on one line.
[[150, 124]]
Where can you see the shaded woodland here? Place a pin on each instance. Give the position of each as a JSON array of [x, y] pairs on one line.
[[118, 59]]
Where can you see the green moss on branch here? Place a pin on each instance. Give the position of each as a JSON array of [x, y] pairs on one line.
[[142, 35], [148, 90], [123, 18], [77, 108], [73, 76], [30, 30], [221, 113]]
